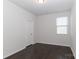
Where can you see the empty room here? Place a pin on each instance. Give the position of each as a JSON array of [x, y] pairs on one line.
[[39, 29]]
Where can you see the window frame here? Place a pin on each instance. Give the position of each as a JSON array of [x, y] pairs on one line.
[[62, 26]]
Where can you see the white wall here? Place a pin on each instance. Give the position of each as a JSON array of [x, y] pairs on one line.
[[45, 30], [18, 26], [73, 29]]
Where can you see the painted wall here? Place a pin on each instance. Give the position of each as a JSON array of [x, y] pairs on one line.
[[73, 29], [18, 28], [45, 30]]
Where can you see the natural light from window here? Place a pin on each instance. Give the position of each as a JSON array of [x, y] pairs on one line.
[[62, 25]]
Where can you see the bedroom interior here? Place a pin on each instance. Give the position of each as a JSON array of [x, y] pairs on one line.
[[39, 29]]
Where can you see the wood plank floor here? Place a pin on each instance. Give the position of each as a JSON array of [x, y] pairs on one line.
[[43, 51]]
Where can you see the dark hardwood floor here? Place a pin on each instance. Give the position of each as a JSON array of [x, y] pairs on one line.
[[43, 51]]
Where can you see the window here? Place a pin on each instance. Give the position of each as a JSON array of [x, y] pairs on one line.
[[62, 25]]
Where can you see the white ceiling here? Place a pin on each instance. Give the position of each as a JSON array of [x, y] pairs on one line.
[[49, 7]]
